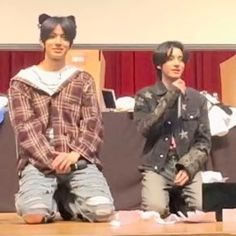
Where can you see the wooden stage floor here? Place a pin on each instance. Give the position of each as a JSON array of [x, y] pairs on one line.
[[11, 225]]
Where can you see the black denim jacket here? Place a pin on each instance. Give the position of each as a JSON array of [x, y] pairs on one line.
[[161, 114]]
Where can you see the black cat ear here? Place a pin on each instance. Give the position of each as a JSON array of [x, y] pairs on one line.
[[72, 18], [43, 17]]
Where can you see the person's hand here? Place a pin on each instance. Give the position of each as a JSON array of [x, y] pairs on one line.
[[181, 178], [61, 164], [180, 84]]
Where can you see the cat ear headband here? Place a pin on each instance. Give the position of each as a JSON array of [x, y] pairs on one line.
[[44, 17]]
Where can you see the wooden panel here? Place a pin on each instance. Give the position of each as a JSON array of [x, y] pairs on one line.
[[91, 61], [228, 81]]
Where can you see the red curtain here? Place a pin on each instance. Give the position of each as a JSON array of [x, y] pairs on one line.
[[126, 72], [12, 61], [129, 71], [203, 70]]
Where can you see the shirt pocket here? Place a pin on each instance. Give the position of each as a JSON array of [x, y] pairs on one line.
[[191, 120]]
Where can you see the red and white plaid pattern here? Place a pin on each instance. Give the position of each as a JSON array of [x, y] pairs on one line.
[[72, 112]]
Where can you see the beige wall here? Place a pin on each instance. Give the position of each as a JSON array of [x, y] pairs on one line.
[[125, 22]]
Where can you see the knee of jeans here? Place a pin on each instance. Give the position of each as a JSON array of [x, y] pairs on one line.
[[21, 207], [162, 209], [33, 209], [194, 204], [30, 207], [100, 209]]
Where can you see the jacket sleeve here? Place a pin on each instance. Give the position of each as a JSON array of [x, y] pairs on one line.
[[194, 160], [27, 128], [89, 141], [146, 117]]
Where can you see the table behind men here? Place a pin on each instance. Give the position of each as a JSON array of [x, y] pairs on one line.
[[121, 155]]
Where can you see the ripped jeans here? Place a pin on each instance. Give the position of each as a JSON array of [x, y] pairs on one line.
[[83, 193]]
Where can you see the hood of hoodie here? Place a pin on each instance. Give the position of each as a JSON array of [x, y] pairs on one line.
[[48, 81]]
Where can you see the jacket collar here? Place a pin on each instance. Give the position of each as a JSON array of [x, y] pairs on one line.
[[160, 89]]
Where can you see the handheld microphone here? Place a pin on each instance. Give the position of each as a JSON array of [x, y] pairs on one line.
[[79, 165], [179, 106]]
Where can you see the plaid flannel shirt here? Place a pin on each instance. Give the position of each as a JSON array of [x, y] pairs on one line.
[[72, 112]]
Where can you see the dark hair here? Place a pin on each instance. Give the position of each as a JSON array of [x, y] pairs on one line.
[[163, 52], [48, 23]]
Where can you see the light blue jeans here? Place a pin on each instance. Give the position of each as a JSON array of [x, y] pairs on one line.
[[82, 193]]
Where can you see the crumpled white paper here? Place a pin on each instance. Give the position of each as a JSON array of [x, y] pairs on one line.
[[213, 177], [128, 217]]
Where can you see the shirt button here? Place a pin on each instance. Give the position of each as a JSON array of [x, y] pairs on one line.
[[169, 122], [191, 117], [166, 139], [173, 157], [161, 156], [155, 167]]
